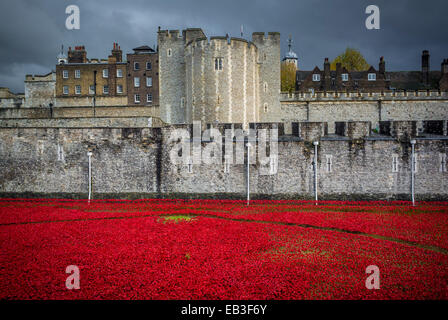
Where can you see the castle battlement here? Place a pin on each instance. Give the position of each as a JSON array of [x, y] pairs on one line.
[[262, 37], [286, 97], [218, 42], [170, 35]]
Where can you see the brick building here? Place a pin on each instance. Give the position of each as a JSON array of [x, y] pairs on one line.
[[84, 82], [342, 79], [143, 77]]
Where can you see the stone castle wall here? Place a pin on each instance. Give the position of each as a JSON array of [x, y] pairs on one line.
[[79, 112], [40, 90], [366, 107], [131, 162]]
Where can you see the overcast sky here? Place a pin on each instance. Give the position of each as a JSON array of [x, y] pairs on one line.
[[32, 32]]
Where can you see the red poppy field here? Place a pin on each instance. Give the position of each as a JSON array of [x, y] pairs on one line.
[[211, 249]]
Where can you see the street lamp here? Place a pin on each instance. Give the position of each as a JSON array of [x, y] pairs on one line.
[[89, 154], [248, 175], [413, 142], [315, 143]]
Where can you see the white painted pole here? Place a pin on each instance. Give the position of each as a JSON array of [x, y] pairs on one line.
[[89, 154], [316, 143], [413, 172], [248, 175]]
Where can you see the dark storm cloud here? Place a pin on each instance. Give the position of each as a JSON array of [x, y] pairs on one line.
[[32, 32]]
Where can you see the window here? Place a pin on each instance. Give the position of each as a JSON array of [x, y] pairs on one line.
[[77, 74], [218, 64], [344, 77], [169, 52], [148, 66], [226, 165], [265, 87], [77, 89], [91, 89], [273, 165], [136, 66], [372, 76], [395, 163], [60, 153], [65, 74], [316, 77], [190, 166], [119, 88], [182, 102], [148, 81], [106, 89], [136, 82], [119, 73], [105, 73], [329, 162], [136, 98], [65, 89], [442, 161], [149, 97], [265, 108]]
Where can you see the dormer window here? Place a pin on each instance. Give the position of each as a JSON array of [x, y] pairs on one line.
[[344, 77], [371, 77], [316, 77]]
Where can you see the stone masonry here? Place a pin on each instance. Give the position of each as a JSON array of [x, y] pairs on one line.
[[135, 162]]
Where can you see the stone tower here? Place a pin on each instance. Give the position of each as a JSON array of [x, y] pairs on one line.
[[218, 80], [269, 80]]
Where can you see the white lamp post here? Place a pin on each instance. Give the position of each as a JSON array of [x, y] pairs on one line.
[[89, 154], [248, 175], [413, 171], [315, 143]]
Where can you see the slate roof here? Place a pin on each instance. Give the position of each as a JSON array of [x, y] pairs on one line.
[[143, 48]]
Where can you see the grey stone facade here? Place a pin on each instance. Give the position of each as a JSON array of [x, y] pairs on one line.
[[135, 162], [221, 79]]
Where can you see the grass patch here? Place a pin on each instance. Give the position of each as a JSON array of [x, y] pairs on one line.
[[176, 218]]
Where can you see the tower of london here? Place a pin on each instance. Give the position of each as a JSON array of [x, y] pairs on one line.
[[218, 79]]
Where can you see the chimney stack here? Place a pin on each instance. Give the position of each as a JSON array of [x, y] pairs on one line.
[[79, 55], [117, 53], [425, 67], [327, 77], [382, 66], [444, 66]]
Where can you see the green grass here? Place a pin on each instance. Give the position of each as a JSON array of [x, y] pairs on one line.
[[176, 219]]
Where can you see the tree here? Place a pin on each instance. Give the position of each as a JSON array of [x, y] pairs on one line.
[[352, 60], [288, 77]]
